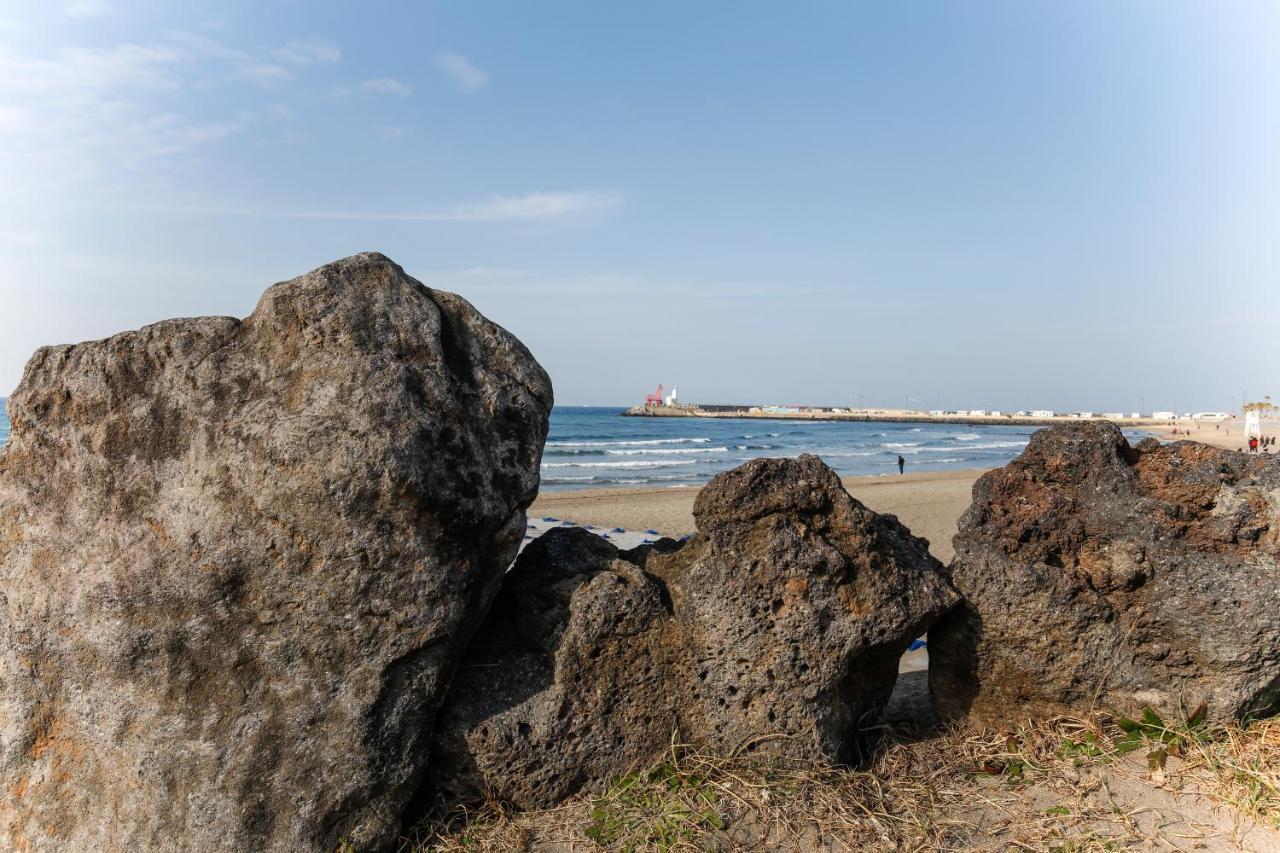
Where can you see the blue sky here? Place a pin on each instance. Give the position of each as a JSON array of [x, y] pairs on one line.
[[1004, 205]]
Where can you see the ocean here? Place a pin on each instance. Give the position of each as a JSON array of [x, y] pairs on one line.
[[593, 447]]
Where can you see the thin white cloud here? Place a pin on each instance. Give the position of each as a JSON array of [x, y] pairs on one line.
[[85, 73], [674, 288], [89, 116], [389, 131], [243, 65], [79, 10], [533, 206], [264, 72], [467, 76], [538, 205], [308, 51], [387, 86]]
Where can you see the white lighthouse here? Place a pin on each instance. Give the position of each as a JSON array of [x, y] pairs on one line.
[[673, 399]]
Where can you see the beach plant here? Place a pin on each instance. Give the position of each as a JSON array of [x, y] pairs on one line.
[[663, 808], [914, 794]]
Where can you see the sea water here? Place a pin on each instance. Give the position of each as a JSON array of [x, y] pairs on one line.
[[594, 448]]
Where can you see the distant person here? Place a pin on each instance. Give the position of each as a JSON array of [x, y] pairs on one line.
[[902, 463], [1253, 444]]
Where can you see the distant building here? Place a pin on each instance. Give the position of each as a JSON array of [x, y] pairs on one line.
[[1210, 416], [1042, 413], [1113, 416], [1162, 416]]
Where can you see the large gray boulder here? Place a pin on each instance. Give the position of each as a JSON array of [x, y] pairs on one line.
[[777, 627], [1098, 575], [239, 560]]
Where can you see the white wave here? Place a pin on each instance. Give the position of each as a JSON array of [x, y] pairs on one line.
[[995, 445], [902, 444], [968, 436], [627, 443], [665, 450], [646, 463]]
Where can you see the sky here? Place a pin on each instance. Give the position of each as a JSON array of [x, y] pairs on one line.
[[942, 205]]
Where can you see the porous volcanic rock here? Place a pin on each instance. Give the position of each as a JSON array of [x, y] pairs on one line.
[[239, 561], [1100, 575], [567, 680], [777, 627]]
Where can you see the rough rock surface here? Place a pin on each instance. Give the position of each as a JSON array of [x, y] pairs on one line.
[[1102, 575], [239, 560], [777, 627]]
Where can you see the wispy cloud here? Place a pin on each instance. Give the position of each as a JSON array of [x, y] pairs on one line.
[[467, 76], [243, 65], [85, 116], [387, 86], [81, 9], [538, 205], [671, 287], [308, 51], [86, 73], [532, 206]]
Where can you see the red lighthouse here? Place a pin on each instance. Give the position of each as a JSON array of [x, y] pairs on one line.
[[654, 399]]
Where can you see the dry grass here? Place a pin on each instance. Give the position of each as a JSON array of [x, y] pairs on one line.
[[1060, 785], [1240, 766]]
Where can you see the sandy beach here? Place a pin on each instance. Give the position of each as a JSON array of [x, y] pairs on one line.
[[929, 503], [1228, 434]]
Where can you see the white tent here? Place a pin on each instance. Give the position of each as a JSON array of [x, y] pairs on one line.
[[1252, 424]]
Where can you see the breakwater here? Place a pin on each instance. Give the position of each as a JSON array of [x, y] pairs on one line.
[[875, 416]]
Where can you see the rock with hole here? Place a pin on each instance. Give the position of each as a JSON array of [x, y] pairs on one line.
[[777, 627]]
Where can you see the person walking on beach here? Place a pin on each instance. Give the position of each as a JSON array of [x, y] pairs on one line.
[[901, 463]]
